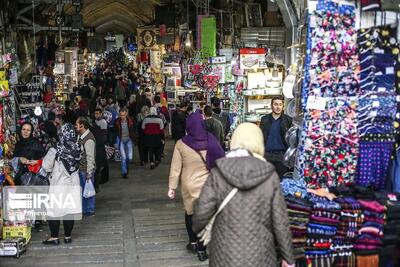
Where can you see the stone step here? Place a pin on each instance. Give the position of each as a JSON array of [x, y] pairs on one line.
[[173, 263]]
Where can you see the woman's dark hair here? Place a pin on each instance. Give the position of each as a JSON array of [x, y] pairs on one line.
[[51, 116], [157, 99]]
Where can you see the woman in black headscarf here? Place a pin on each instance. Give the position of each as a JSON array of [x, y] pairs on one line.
[[63, 164], [27, 153]]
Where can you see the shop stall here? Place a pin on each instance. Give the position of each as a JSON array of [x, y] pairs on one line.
[[342, 201]]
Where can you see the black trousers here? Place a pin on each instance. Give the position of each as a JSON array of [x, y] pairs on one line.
[[143, 153], [154, 154], [277, 160], [55, 227], [192, 235]]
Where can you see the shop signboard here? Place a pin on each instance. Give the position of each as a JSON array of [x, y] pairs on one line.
[[217, 60], [252, 58], [227, 53]]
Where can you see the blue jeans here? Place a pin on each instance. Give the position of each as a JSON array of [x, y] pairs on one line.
[[88, 204], [126, 151]]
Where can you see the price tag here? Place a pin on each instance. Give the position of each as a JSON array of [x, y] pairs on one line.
[[316, 103], [390, 70]]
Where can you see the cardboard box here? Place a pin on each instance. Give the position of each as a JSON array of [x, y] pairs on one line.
[[12, 247], [17, 232]]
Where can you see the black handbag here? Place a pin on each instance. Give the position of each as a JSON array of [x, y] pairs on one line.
[[29, 178]]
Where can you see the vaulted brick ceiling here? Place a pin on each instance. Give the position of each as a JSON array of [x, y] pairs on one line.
[[117, 15]]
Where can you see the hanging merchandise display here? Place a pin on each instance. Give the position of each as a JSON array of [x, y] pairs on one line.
[[378, 51], [329, 148]]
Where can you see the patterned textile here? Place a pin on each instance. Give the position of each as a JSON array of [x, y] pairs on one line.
[[69, 149]]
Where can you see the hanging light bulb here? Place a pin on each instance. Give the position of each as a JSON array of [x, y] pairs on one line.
[[188, 41]]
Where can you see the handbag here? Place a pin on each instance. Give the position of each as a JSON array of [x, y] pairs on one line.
[[205, 234]]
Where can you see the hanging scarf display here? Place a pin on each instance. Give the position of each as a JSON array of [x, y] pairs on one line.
[[329, 147]]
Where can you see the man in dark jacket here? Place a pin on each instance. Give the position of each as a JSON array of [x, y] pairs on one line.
[[125, 127], [213, 125], [220, 115], [178, 122], [274, 127]]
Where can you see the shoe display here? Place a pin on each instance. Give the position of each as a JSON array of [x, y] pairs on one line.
[[202, 255]]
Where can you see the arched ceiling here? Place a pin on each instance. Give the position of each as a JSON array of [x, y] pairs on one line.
[[117, 15]]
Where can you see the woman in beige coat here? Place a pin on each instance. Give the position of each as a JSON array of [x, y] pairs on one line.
[[194, 156]]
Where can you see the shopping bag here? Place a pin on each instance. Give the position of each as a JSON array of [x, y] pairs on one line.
[[89, 190]]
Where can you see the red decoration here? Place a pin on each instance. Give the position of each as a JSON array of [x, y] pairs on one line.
[[163, 30]]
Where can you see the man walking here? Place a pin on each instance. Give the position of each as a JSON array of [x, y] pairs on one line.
[[274, 127], [178, 122], [99, 131], [87, 166], [220, 115], [213, 125], [125, 127]]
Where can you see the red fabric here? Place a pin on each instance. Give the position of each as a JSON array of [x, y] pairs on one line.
[[35, 168], [47, 97], [163, 30], [153, 129]]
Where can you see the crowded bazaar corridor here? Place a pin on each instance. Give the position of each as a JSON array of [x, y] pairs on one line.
[[183, 133], [135, 225]]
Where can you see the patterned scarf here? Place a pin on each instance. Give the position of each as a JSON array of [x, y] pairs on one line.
[[69, 149]]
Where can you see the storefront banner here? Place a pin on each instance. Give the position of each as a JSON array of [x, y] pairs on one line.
[[208, 37], [252, 58]]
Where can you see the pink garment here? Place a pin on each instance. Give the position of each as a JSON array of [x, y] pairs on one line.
[[370, 230], [372, 206]]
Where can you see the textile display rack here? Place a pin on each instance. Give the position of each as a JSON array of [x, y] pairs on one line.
[[344, 206]]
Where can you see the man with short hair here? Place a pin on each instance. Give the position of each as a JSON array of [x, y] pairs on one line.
[[178, 122], [220, 115], [213, 125], [87, 166], [99, 131], [125, 127], [274, 127], [99, 120]]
